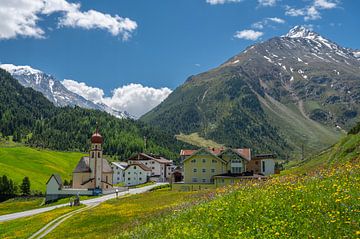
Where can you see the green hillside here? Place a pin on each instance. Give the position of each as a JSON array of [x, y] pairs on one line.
[[321, 191], [29, 117], [19, 161]]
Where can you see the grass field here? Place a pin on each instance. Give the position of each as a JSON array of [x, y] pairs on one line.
[[20, 161], [318, 199], [23, 204], [119, 215], [25, 227], [196, 139]]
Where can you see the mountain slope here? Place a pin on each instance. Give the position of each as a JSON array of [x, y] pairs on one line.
[[30, 117], [278, 95], [54, 90]]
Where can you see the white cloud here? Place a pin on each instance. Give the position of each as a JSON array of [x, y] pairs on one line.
[[267, 3], [266, 21], [325, 4], [248, 34], [21, 17], [136, 99], [215, 2], [311, 12], [88, 92], [277, 20]]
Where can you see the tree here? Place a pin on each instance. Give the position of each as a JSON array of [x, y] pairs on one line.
[[25, 186]]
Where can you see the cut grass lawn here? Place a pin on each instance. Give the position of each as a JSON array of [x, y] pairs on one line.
[[196, 139], [25, 227], [119, 215], [20, 161]]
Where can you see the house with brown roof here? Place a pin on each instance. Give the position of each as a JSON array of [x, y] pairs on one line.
[[161, 168], [136, 173]]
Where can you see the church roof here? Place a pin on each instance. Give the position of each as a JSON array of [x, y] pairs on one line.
[[83, 166]]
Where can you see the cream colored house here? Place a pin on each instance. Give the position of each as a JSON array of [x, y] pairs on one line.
[[118, 171]]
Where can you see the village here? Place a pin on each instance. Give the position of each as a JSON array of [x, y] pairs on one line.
[[202, 168]]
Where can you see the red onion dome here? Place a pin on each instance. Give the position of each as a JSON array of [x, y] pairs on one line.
[[96, 138]]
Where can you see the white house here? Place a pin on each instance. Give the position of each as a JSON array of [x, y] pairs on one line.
[[161, 168], [119, 171], [136, 173]]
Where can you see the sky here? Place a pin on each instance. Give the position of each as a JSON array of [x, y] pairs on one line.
[[132, 53]]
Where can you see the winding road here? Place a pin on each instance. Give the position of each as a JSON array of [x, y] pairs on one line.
[[89, 202]]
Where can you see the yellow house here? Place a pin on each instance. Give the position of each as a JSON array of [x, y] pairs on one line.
[[202, 165]]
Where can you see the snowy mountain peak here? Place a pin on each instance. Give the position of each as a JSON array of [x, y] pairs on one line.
[[300, 31], [19, 70]]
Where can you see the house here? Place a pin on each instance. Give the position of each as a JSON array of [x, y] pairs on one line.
[[262, 164], [161, 168], [205, 163], [136, 173], [224, 166], [93, 171], [119, 171]]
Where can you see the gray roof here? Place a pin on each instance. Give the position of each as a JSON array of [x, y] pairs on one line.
[[84, 166], [57, 178]]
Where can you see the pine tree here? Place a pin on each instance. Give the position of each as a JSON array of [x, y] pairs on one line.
[[25, 186]]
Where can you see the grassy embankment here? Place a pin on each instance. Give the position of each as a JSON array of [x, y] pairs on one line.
[[23, 204], [120, 215], [196, 139], [19, 161], [317, 199], [25, 227]]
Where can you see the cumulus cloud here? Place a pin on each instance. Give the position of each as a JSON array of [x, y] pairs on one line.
[[215, 2], [267, 3], [276, 19], [21, 17], [324, 4], [136, 99], [248, 34]]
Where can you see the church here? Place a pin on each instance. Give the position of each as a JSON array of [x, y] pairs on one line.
[[93, 171]]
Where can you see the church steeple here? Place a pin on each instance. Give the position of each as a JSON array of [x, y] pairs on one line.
[[96, 157]]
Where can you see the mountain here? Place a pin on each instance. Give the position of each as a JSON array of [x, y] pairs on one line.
[[286, 95], [55, 91], [29, 117]]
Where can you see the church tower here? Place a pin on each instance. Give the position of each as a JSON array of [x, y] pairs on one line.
[[96, 158]]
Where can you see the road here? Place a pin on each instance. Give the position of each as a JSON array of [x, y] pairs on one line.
[[88, 202]]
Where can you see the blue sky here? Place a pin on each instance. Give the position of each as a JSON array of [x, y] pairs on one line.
[[166, 41]]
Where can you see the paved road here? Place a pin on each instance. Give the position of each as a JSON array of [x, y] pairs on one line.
[[90, 202]]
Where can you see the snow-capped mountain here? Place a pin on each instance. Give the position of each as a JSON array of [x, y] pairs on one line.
[[301, 84], [54, 90]]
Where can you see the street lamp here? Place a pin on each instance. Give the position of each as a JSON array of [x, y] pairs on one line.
[[117, 192]]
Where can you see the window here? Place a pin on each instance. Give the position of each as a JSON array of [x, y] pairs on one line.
[[145, 163], [214, 161], [118, 172], [95, 146], [204, 170], [139, 172], [140, 179], [152, 162], [134, 167], [204, 160], [152, 167], [204, 180], [213, 170], [117, 167], [193, 160], [128, 179], [223, 180], [263, 166], [106, 179], [98, 154], [118, 178], [236, 170], [92, 154], [194, 180], [128, 172], [195, 170]]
